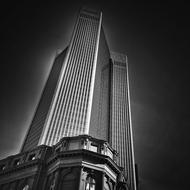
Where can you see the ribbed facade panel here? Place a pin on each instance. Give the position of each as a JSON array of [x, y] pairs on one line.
[[36, 127], [121, 134], [70, 108], [99, 123]]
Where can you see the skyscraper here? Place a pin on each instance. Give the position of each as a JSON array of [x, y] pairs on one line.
[[87, 93], [120, 126], [80, 102], [90, 81]]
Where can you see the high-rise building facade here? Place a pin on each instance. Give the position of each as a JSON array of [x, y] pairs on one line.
[[87, 93], [80, 102], [120, 126]]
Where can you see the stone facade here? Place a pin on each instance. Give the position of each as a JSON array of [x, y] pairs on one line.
[[74, 163]]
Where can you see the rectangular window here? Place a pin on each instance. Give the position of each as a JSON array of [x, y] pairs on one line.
[[2, 167], [31, 157], [16, 162], [93, 148], [109, 153]]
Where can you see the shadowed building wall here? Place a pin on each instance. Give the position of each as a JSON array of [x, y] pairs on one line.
[[37, 124]]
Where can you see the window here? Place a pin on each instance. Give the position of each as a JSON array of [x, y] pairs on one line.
[[26, 187], [85, 145], [52, 187], [17, 162], [2, 167], [90, 183], [32, 157], [109, 153], [93, 148], [73, 145], [69, 181], [106, 184], [102, 150]]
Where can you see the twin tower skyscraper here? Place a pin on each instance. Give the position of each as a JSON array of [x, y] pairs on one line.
[[87, 92]]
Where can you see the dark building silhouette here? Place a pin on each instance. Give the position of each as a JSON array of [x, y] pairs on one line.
[[35, 130], [81, 133]]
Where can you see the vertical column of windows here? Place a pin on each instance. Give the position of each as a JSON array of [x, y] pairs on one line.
[[84, 94], [78, 93], [124, 119], [130, 161], [93, 37], [125, 125], [122, 126], [60, 95], [127, 164], [78, 60], [119, 116], [117, 112], [66, 79], [119, 126], [78, 124], [77, 89], [64, 116], [86, 56], [56, 114], [90, 59], [69, 112], [73, 108], [89, 74], [62, 119]]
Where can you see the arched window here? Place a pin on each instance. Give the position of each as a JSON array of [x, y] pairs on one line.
[[52, 187], [106, 184], [32, 157], [69, 181], [90, 182], [26, 187]]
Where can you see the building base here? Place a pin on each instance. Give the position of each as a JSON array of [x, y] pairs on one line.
[[75, 163]]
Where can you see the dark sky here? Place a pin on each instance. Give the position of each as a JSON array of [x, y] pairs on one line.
[[154, 37]]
